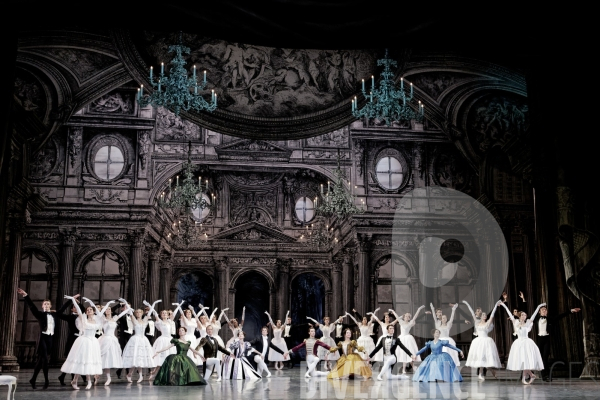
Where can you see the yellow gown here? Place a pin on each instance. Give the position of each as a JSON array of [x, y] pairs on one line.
[[349, 363]]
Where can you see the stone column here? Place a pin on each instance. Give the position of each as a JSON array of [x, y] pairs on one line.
[[164, 289], [8, 305], [348, 280], [65, 287], [283, 294], [364, 244], [222, 274], [135, 269], [336, 289], [154, 275]]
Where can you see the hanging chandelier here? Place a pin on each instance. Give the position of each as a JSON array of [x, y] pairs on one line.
[[337, 200], [177, 91], [318, 235], [188, 195], [186, 231], [386, 102]]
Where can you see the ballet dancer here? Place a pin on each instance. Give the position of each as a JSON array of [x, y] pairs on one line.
[[349, 363], [445, 325], [72, 320], [47, 322], [211, 348], [326, 329], [387, 321], [406, 323], [364, 339], [524, 354], [278, 341], [110, 348], [178, 369], [84, 357], [439, 365], [235, 327], [262, 345], [125, 331], [311, 344], [389, 344], [187, 320], [138, 352], [237, 366], [163, 324], [483, 353]]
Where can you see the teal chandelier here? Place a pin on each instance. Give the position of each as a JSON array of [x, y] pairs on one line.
[[177, 91], [188, 194], [386, 102], [338, 201]]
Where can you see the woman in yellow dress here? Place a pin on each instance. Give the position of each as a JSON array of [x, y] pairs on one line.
[[350, 362]]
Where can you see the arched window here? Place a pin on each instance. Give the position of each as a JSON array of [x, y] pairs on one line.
[[104, 279], [389, 172], [393, 288], [108, 162], [35, 266], [305, 209]]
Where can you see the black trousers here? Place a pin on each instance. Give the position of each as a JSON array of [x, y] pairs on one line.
[[43, 356], [545, 344]]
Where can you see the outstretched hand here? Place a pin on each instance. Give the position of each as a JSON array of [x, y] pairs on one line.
[[574, 310], [21, 292]]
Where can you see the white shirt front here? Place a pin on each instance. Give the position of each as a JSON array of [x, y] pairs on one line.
[[543, 327], [265, 346], [338, 330], [50, 325], [286, 332], [129, 325], [150, 328]]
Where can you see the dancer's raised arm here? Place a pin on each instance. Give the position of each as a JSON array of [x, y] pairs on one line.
[[472, 312], [223, 314], [454, 307], [535, 312], [414, 318], [270, 320], [353, 319], [243, 316], [491, 316], [212, 314], [510, 315], [315, 321]]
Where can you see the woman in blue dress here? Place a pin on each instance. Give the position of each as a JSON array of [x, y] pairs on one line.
[[438, 366]]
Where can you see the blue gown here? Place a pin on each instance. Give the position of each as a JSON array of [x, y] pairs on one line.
[[438, 365]]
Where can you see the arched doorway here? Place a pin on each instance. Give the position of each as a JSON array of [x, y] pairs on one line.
[[195, 288], [307, 300], [252, 292]]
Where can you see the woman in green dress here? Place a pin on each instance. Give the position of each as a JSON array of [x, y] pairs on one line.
[[178, 369]]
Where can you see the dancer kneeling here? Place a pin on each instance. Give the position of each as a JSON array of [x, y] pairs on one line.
[[438, 366], [178, 369], [349, 364], [389, 344], [211, 347], [312, 344]]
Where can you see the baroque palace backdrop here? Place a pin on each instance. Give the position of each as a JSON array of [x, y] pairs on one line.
[[83, 168]]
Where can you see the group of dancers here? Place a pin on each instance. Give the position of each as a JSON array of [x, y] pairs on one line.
[[176, 355]]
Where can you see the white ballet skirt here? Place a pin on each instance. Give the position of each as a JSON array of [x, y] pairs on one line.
[[138, 352], [279, 342], [524, 353], [378, 357], [445, 335], [328, 340], [365, 341], [110, 349], [191, 326], [163, 341], [483, 351], [234, 337], [85, 357], [408, 341]]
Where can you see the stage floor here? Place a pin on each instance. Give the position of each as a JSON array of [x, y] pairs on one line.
[[291, 384]]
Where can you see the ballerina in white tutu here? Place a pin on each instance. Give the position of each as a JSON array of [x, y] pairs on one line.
[[110, 349], [483, 352], [84, 357], [445, 325], [187, 320], [235, 327], [138, 352], [216, 324], [406, 323], [364, 339], [278, 341], [524, 354], [163, 324]]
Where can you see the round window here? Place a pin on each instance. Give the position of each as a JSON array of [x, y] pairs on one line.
[[305, 209], [389, 173], [108, 162], [201, 213]]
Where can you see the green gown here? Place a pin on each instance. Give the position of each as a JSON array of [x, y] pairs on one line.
[[178, 369]]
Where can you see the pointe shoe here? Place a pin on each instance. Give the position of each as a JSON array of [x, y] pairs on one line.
[[151, 377], [129, 378], [107, 381], [95, 379], [74, 386], [307, 375], [379, 378], [89, 385], [268, 375], [141, 378], [524, 381], [481, 378], [532, 379]]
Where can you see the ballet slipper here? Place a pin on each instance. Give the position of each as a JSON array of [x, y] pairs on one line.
[[95, 379], [107, 380], [129, 378], [74, 385], [524, 381], [141, 378], [89, 385], [531, 379]]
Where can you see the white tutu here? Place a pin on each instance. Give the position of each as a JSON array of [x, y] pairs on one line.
[[524, 354], [483, 353], [321, 351], [160, 343], [84, 357], [279, 342], [138, 352], [367, 343], [110, 350], [409, 342], [452, 353], [378, 357]]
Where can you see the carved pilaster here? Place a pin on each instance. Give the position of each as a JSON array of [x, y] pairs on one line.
[[74, 146], [8, 305], [143, 153], [68, 238], [348, 278], [283, 297], [222, 274], [364, 248], [336, 289], [154, 273], [164, 290], [135, 271]]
